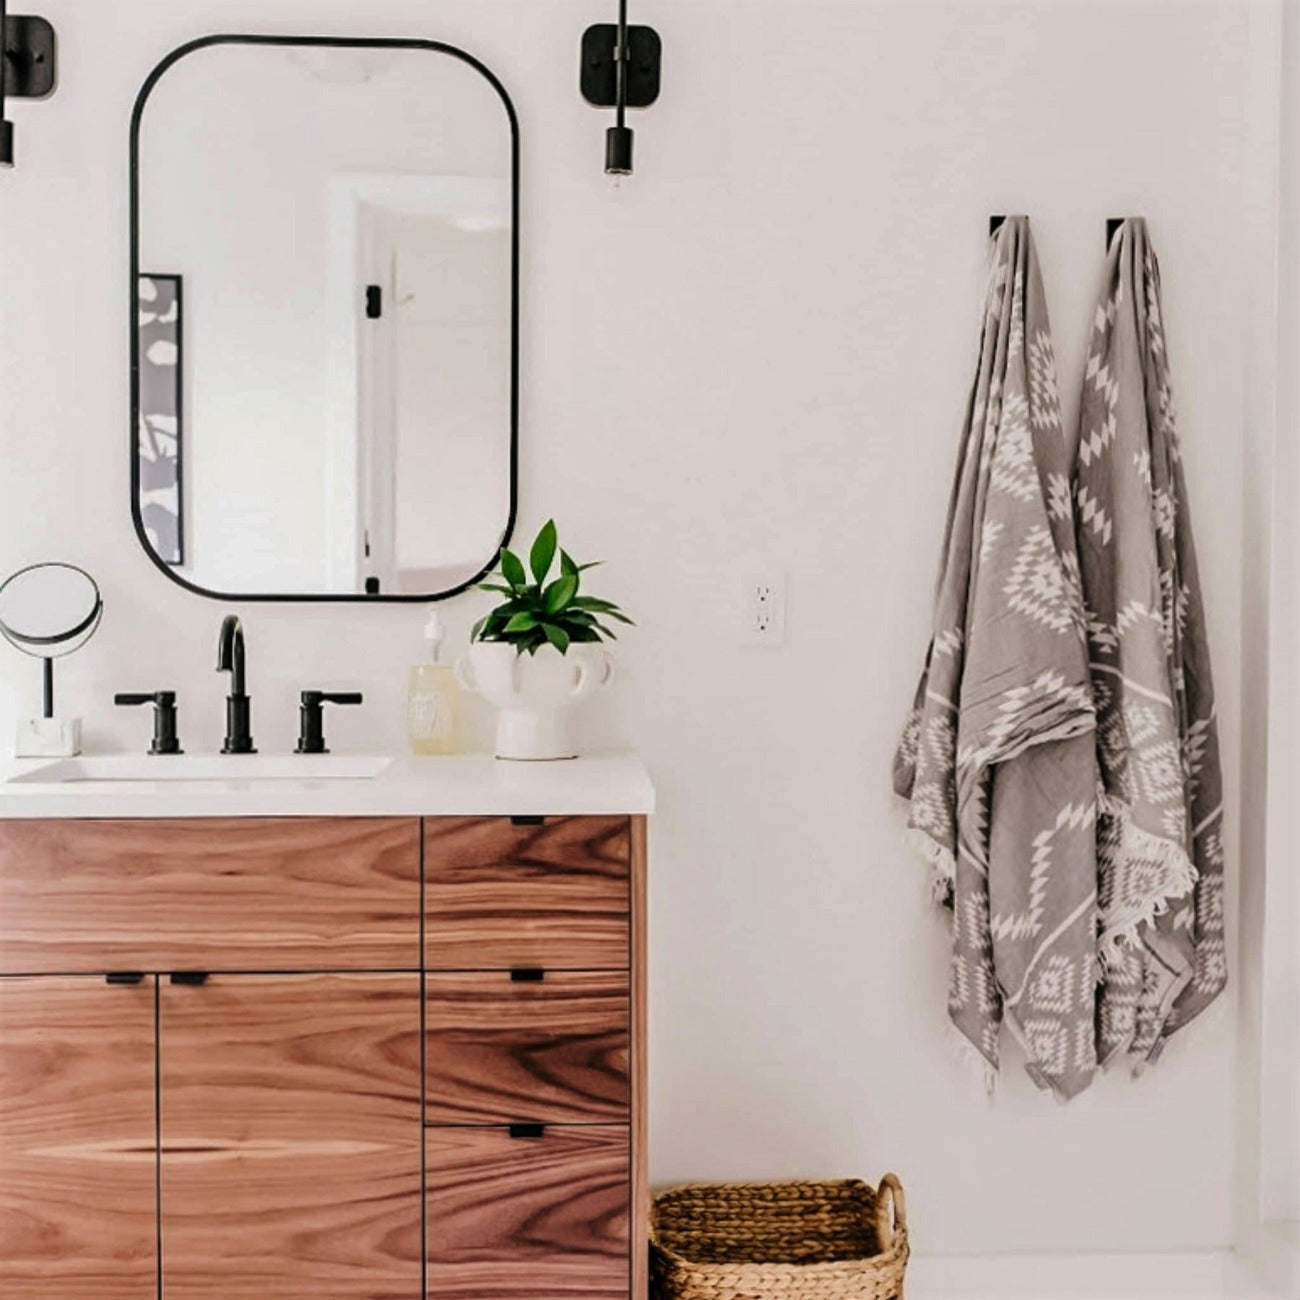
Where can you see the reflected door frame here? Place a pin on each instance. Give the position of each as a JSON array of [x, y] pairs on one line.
[[362, 208]]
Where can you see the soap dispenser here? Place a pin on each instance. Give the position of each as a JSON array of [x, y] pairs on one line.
[[433, 699]]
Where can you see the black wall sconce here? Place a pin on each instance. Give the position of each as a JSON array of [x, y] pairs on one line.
[[26, 70], [620, 70]]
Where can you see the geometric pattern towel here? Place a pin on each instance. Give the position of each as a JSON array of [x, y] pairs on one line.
[[1061, 760], [1159, 832], [998, 760]]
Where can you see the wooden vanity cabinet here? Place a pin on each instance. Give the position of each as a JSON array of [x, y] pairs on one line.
[[322, 1059]]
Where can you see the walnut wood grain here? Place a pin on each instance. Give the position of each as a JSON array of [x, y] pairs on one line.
[[237, 894], [77, 1152], [640, 1064], [528, 1219], [499, 895], [291, 1132], [554, 1051]]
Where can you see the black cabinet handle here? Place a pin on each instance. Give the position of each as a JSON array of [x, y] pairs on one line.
[[527, 821], [527, 975], [527, 1130], [190, 978], [124, 977]]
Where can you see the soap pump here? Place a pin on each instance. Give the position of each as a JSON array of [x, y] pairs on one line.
[[433, 699]]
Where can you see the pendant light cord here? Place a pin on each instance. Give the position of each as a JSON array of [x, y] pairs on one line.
[[4, 54], [624, 58]]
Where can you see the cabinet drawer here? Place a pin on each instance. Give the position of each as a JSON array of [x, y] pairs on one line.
[[528, 1218], [499, 895], [498, 1050], [228, 894]]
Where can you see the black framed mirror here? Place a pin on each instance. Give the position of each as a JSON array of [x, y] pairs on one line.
[[324, 318]]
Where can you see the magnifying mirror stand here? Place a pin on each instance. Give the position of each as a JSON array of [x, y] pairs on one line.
[[48, 736], [47, 611]]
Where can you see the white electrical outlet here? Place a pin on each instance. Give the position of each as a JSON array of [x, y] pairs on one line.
[[763, 609]]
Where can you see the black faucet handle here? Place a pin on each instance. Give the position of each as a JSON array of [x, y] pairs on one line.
[[311, 716], [165, 740]]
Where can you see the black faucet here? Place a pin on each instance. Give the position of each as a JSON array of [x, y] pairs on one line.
[[230, 659]]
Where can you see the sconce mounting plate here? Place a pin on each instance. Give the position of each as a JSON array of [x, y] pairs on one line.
[[599, 79], [29, 56]]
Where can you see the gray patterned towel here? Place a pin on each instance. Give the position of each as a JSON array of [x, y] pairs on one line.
[[998, 760], [1159, 842]]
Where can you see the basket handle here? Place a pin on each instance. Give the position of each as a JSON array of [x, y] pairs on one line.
[[891, 1211]]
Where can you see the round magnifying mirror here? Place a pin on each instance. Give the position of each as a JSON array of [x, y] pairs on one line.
[[49, 610]]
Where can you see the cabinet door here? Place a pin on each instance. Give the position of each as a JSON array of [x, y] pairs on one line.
[[78, 1159], [291, 1131], [528, 1218]]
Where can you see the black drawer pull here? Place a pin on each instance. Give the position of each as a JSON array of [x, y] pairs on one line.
[[191, 978], [527, 975], [528, 821], [527, 1130], [124, 977]]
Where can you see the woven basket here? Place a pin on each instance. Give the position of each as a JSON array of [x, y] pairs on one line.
[[780, 1241]]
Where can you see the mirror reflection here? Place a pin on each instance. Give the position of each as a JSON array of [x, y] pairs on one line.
[[325, 338]]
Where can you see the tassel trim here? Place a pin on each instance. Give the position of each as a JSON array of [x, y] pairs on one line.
[[1124, 925], [943, 864]]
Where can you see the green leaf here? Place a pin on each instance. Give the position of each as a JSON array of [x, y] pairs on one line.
[[524, 622], [560, 593], [543, 551], [477, 630], [497, 587], [557, 636], [594, 603], [568, 568], [512, 569]]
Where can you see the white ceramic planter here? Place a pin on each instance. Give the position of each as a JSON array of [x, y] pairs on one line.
[[534, 694]]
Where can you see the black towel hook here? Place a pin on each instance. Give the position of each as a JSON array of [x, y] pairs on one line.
[[1112, 225]]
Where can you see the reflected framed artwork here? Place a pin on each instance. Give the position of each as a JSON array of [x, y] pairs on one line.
[[160, 301]]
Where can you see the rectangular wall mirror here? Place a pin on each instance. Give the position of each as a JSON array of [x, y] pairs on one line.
[[324, 341]]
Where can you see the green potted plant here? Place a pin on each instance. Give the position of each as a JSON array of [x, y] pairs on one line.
[[541, 650]]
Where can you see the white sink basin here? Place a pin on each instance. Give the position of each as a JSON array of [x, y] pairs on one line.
[[207, 769]]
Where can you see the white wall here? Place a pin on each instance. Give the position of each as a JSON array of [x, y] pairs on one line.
[[1280, 994], [752, 354]]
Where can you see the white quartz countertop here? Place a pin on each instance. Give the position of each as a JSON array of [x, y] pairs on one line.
[[473, 785]]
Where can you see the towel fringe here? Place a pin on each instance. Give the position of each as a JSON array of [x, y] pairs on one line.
[[943, 865], [1118, 930], [969, 1057]]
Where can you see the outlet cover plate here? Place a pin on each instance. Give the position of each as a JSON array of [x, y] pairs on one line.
[[763, 608]]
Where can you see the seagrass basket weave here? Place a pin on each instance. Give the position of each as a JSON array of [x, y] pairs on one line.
[[779, 1241]]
